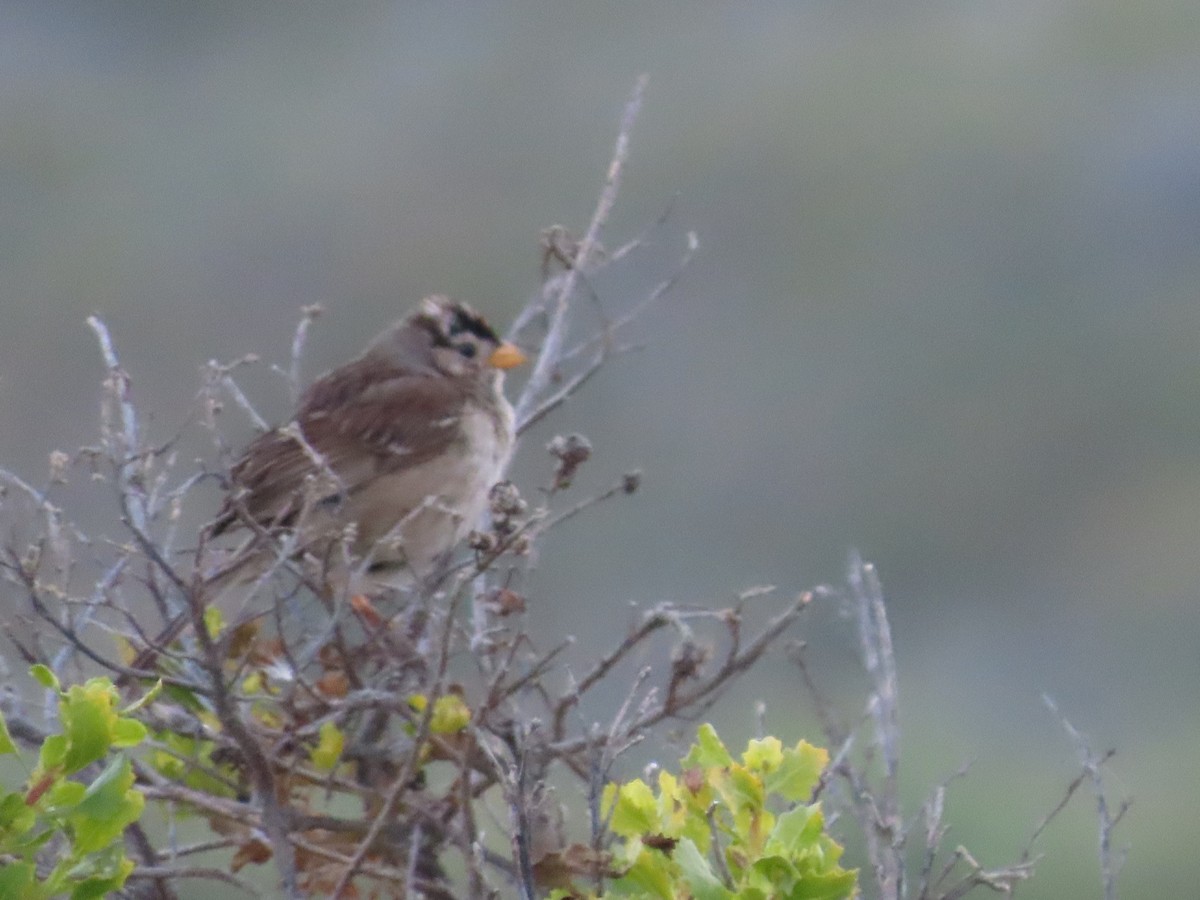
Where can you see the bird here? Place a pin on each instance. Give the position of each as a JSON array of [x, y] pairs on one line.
[[385, 466]]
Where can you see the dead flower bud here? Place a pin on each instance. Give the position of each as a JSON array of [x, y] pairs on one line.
[[687, 660], [505, 602], [481, 541], [334, 683], [58, 467], [660, 842], [505, 502], [557, 245], [571, 451], [631, 481]]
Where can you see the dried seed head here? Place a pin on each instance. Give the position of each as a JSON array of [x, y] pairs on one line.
[[505, 602], [59, 462], [571, 451], [481, 541], [687, 660], [505, 500], [631, 481]]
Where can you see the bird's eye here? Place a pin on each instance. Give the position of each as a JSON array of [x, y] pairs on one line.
[[468, 350]]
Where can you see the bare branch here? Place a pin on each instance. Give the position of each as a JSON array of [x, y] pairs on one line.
[[308, 315], [551, 349], [885, 831], [123, 443], [1111, 861]]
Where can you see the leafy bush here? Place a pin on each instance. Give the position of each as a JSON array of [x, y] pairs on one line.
[[64, 832], [710, 832]]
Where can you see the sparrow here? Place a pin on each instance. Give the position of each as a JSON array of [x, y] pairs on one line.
[[385, 466]]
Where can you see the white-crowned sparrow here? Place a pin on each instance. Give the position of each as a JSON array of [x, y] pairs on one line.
[[386, 465]]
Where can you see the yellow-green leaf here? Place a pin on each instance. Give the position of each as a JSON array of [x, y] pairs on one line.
[[636, 810], [108, 807], [147, 698], [700, 878], [17, 879], [253, 683], [763, 755], [450, 715], [796, 831], [88, 719], [650, 876], [798, 772], [708, 750], [6, 741], [52, 754], [128, 733], [43, 676], [329, 747], [214, 621]]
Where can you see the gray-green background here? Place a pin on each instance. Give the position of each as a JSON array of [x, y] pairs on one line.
[[946, 310]]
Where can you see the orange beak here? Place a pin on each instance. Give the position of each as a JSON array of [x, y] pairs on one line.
[[506, 356]]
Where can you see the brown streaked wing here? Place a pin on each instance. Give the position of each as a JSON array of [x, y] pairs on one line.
[[361, 427]]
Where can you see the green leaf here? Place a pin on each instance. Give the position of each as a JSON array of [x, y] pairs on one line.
[[700, 878], [329, 747], [87, 732], [106, 794], [636, 810], [128, 733], [214, 620], [6, 741], [651, 875], [796, 831], [744, 789], [53, 752], [33, 842], [65, 795], [43, 676], [107, 808], [16, 818], [103, 886], [147, 698], [184, 697], [450, 715], [707, 751], [837, 885], [798, 772], [773, 872], [17, 878], [763, 755]]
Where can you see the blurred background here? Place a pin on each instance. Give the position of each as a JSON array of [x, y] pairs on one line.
[[946, 310]]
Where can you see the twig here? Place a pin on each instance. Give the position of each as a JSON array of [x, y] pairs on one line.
[[718, 854], [652, 621], [155, 873], [308, 315], [125, 443], [551, 349], [234, 391], [628, 484], [736, 662], [1111, 862], [885, 835], [415, 751]]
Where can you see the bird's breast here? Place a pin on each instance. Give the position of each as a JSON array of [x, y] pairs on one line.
[[431, 506]]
